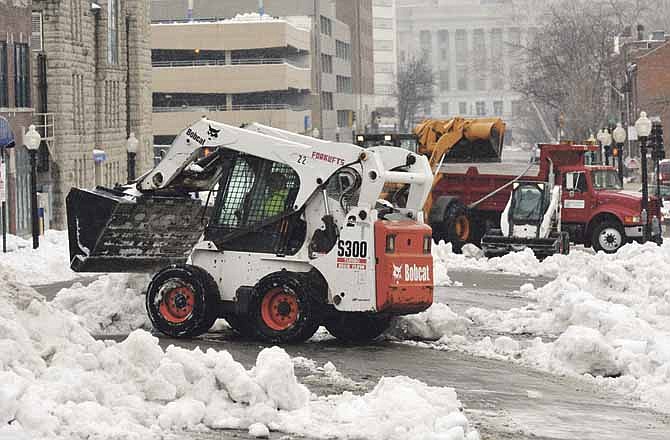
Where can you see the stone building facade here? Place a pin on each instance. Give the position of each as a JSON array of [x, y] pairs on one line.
[[357, 14], [16, 107], [93, 81], [473, 49]]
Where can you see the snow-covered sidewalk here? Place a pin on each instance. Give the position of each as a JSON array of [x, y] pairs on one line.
[[49, 263]]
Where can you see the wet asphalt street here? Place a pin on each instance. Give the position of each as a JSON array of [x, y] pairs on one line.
[[502, 399]]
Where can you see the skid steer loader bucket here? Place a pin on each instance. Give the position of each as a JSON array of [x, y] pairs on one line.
[[113, 232], [494, 244]]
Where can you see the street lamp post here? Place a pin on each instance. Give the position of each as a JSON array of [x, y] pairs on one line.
[[601, 136], [643, 128], [607, 142], [32, 141], [619, 135], [131, 148]]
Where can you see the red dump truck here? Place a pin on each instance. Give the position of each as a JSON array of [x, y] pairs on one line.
[[596, 211]]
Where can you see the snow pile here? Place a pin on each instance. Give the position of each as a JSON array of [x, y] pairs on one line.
[[436, 322], [606, 316], [58, 382], [49, 263], [111, 305]]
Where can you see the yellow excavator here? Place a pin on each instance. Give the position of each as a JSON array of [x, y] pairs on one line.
[[455, 140], [458, 140]]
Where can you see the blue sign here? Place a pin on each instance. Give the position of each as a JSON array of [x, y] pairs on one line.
[[308, 123], [6, 134]]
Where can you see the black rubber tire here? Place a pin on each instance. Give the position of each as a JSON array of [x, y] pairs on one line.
[[205, 308], [240, 325], [447, 230], [357, 327], [307, 321], [600, 227], [565, 243]]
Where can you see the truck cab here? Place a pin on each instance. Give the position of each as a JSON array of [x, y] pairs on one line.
[[597, 211]]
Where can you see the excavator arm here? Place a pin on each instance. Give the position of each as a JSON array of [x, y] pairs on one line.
[[459, 140]]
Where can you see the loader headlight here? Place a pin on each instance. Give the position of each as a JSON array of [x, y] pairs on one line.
[[360, 138], [390, 244], [631, 219], [387, 137], [427, 243]]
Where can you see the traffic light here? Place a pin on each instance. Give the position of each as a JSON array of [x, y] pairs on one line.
[[657, 139]]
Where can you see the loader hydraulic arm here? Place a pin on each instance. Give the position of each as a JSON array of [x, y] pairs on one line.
[[471, 139]]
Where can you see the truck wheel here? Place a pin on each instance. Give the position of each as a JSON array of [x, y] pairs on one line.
[[357, 327], [182, 301], [456, 227], [281, 311], [607, 236], [565, 243]]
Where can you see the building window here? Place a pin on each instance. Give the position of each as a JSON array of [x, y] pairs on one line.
[[4, 86], [326, 63], [112, 31], [443, 37], [498, 108], [75, 17], [383, 23], [344, 84], [427, 108], [463, 108], [462, 78], [78, 113], [326, 26], [343, 118], [326, 101], [342, 50], [445, 109], [444, 80], [21, 75], [36, 35], [480, 108], [461, 46], [426, 43]]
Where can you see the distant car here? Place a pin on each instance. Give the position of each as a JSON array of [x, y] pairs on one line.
[[665, 191], [664, 169], [665, 196]]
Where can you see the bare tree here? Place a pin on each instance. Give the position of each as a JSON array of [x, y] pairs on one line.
[[569, 66], [414, 89]]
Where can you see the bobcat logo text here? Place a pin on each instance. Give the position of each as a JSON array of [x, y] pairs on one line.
[[411, 273]]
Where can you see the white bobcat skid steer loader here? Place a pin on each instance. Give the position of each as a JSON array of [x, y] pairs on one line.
[[292, 241], [531, 219]]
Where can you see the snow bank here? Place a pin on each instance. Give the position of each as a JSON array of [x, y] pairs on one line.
[[49, 263], [58, 382], [605, 316], [436, 322], [111, 305]]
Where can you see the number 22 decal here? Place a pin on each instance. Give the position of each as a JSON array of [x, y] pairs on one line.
[[302, 159]]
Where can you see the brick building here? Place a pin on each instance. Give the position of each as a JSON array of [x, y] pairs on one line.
[[92, 75], [16, 106], [651, 82]]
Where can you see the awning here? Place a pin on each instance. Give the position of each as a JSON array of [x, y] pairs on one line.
[[6, 134]]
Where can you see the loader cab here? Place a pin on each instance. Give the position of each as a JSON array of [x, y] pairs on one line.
[[529, 203], [254, 207], [406, 141]]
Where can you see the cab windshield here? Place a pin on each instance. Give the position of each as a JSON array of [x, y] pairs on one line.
[[605, 179]]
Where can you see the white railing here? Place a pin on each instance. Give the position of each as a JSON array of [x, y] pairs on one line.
[[224, 108], [220, 62]]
